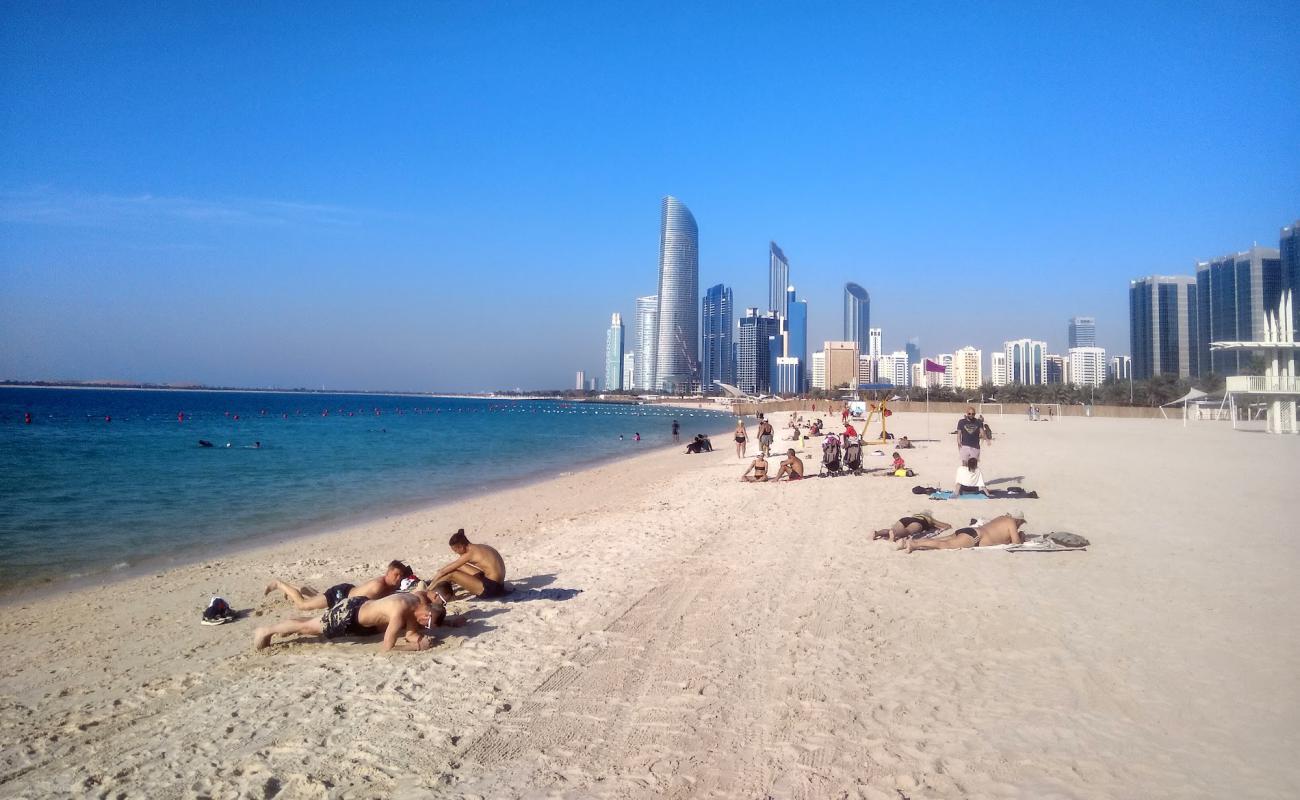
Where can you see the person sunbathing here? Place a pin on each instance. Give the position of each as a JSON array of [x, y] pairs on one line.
[[305, 598], [969, 479], [916, 524], [479, 570], [999, 530], [757, 472], [408, 615], [791, 469], [905, 443]]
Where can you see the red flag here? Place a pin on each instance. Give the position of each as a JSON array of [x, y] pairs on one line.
[[934, 366]]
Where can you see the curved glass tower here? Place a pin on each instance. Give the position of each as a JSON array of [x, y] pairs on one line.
[[857, 316], [677, 350]]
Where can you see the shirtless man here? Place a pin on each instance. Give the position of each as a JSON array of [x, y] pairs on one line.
[[479, 570], [917, 523], [409, 615], [305, 598], [999, 530], [757, 472], [791, 468]]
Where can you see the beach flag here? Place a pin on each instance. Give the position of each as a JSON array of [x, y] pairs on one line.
[[934, 366]]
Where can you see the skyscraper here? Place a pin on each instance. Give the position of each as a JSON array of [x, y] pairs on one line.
[[819, 370], [874, 336], [1087, 366], [1026, 361], [629, 371], [796, 325], [717, 356], [1232, 295], [1056, 368], [1083, 332], [754, 358], [913, 350], [647, 337], [614, 354], [967, 364], [778, 277], [1162, 328], [1289, 252], [857, 316], [677, 343], [1121, 368], [998, 368], [580, 380]]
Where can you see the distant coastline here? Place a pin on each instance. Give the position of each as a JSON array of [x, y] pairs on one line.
[[174, 387]]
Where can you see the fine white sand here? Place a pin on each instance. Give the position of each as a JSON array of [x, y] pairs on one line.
[[676, 633]]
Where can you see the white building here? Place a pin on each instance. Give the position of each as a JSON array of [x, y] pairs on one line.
[[1087, 366], [580, 380], [998, 368], [819, 370], [1026, 361], [1121, 368], [968, 372], [629, 370], [918, 374], [892, 368], [946, 360], [614, 353], [867, 367], [873, 342]]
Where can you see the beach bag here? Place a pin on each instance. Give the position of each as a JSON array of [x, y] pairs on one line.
[[218, 612], [1067, 539]]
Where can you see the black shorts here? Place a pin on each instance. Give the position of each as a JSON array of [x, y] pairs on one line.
[[491, 588], [336, 593], [341, 619]]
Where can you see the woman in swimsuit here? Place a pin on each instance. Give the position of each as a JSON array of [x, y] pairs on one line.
[[741, 438]]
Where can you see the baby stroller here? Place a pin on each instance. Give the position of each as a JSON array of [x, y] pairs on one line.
[[831, 455], [853, 454]]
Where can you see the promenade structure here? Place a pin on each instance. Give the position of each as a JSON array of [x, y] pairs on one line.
[[754, 357], [968, 368], [1279, 387], [778, 278], [717, 351], [647, 338], [1163, 326], [1232, 294], [614, 354], [857, 316], [1026, 361], [796, 341], [1087, 366], [678, 321], [841, 364], [1121, 368], [998, 369], [1082, 332]]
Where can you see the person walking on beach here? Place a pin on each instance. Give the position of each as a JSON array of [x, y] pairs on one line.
[[676, 432], [765, 437], [969, 432], [999, 530], [741, 438], [305, 598], [479, 570], [409, 615]]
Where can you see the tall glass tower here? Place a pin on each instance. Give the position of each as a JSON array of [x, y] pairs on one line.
[[1163, 326], [1233, 293], [857, 316], [1082, 332], [796, 325], [717, 355], [614, 354], [778, 277], [677, 347], [647, 336]]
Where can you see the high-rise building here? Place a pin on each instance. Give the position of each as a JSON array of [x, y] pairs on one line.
[[754, 351], [857, 316], [1162, 329], [593, 385], [1087, 366], [1121, 368], [629, 371], [1026, 361], [867, 369], [580, 380], [893, 368], [998, 368], [796, 325], [1289, 254], [717, 352], [967, 364], [819, 370], [841, 364], [1082, 332], [1055, 366], [918, 373], [913, 348], [677, 345], [778, 277], [873, 342], [1232, 295], [614, 354], [647, 339], [787, 377], [947, 378]]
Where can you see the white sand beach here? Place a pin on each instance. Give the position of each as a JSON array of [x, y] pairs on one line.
[[676, 633]]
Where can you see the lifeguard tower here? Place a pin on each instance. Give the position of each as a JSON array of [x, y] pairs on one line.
[[1279, 386]]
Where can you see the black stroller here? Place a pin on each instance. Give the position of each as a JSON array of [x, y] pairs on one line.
[[853, 454], [831, 456]]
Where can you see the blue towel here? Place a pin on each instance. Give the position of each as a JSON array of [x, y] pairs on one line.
[[946, 495]]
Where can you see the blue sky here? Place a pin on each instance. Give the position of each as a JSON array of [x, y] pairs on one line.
[[457, 195]]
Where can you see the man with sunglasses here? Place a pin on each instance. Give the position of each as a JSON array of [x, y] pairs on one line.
[[970, 429], [408, 615]]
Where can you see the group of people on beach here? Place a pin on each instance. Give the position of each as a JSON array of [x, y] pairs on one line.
[[397, 604]]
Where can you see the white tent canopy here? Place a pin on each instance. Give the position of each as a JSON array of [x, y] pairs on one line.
[[1192, 394]]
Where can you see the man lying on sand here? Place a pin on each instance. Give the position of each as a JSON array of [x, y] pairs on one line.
[[406, 614], [480, 570], [757, 472], [999, 530], [791, 468], [916, 524], [305, 598]]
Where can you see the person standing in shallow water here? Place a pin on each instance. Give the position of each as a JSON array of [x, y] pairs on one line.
[[742, 438], [676, 432]]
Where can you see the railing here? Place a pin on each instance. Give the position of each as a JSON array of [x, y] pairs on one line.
[[1259, 384]]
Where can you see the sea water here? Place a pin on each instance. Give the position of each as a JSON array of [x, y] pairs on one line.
[[101, 479]]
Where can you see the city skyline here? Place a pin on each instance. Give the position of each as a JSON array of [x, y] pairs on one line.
[[264, 204]]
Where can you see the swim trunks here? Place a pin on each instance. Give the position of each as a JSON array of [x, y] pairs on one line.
[[336, 593], [492, 588], [341, 619], [971, 532], [794, 476]]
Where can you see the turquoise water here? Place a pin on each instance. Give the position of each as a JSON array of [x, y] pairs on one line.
[[104, 479]]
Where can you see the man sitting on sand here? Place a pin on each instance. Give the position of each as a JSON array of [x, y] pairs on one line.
[[757, 472], [305, 598], [480, 570], [406, 614], [999, 530], [791, 468], [917, 523]]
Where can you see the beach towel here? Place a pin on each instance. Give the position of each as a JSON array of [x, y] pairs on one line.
[[947, 495], [1040, 546], [988, 494]]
